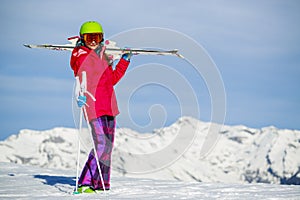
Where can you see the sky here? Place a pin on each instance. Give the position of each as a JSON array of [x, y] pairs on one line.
[[254, 46]]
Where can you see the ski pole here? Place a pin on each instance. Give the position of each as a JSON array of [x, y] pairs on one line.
[[77, 92], [84, 90], [78, 153]]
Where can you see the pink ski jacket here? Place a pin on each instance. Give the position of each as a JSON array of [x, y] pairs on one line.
[[101, 78]]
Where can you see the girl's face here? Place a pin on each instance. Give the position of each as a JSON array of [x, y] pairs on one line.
[[92, 40]]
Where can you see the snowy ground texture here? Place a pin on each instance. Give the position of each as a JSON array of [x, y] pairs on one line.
[[34, 183]]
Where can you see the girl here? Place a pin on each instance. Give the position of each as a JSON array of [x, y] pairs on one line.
[[89, 56]]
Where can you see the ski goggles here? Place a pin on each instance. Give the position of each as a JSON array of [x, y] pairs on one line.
[[93, 37]]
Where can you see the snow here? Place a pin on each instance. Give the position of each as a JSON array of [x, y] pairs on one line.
[[28, 182], [243, 163]]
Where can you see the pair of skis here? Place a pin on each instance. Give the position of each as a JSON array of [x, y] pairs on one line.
[[111, 49]]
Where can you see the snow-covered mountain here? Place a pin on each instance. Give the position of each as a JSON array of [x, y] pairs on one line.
[[238, 154]]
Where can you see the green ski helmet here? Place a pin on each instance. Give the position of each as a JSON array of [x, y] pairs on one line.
[[91, 27]]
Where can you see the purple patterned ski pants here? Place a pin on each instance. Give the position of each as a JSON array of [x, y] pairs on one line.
[[103, 130]]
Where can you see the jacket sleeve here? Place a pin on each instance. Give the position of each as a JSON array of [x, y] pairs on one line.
[[120, 70]]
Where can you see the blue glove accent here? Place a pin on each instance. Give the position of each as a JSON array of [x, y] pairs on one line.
[[127, 56], [81, 101]]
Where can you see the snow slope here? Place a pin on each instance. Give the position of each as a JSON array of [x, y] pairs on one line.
[[239, 154], [28, 182]]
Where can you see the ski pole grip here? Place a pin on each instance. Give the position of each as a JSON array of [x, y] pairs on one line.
[[77, 87], [83, 82]]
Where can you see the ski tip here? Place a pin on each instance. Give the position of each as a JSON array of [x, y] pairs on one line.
[[179, 55], [27, 45]]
